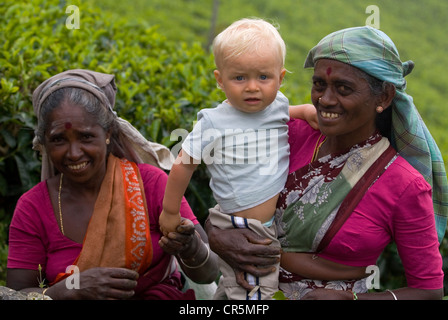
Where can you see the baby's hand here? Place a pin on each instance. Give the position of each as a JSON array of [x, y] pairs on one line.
[[310, 114], [305, 112], [168, 222]]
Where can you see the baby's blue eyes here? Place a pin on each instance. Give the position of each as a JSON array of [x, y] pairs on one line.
[[241, 78]]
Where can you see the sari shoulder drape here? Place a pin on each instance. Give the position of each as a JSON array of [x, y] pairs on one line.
[[314, 194], [118, 234]]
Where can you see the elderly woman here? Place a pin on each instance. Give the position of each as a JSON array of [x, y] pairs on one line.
[[349, 192], [98, 205]]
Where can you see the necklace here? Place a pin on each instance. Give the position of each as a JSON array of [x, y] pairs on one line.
[[59, 204], [317, 147]]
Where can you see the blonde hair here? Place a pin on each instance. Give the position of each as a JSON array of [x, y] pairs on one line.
[[249, 34]]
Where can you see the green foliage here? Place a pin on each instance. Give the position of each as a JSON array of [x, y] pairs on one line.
[[279, 295], [3, 246], [161, 84]]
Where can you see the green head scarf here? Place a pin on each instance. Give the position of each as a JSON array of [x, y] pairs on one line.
[[373, 52]]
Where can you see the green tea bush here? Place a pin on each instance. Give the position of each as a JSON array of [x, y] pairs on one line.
[[161, 84]]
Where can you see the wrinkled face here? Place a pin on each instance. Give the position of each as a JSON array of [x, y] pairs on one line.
[[251, 81], [344, 103], [76, 144]]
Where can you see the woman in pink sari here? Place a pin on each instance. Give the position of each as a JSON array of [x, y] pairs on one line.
[[371, 175], [97, 209]]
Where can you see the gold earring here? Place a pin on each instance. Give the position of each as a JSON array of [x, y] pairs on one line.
[[379, 109], [107, 141]]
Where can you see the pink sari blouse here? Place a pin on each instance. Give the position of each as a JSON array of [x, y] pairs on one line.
[[398, 207], [35, 237]]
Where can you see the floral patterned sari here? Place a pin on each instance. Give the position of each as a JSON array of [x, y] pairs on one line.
[[317, 200]]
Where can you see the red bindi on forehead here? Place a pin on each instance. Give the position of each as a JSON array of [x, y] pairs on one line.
[[68, 125], [328, 71]]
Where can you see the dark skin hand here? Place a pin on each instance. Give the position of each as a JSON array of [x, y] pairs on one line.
[[119, 283], [328, 294], [95, 283], [244, 251], [175, 243], [187, 242], [105, 284]]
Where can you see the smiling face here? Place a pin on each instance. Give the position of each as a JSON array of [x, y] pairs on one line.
[[251, 81], [76, 143], [344, 102]]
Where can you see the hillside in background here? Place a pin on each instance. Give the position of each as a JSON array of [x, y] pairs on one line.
[[417, 28]]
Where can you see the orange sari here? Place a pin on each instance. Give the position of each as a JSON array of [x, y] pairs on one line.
[[118, 233]]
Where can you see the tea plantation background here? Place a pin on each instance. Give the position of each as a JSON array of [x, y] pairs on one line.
[[159, 52]]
